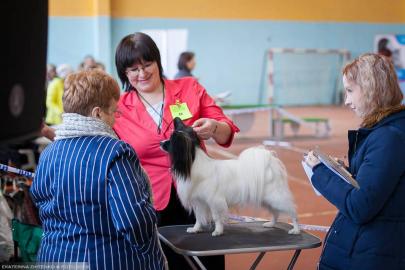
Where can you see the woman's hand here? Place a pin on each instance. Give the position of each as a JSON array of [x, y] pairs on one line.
[[340, 161], [311, 160], [205, 128]]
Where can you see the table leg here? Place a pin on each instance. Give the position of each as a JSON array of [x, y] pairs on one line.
[[257, 261], [190, 262], [200, 264], [294, 259]]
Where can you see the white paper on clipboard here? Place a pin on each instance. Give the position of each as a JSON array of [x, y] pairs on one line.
[[309, 173]]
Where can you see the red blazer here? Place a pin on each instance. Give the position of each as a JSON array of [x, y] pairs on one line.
[[136, 127]]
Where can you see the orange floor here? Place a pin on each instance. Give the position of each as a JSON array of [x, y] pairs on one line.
[[311, 208]]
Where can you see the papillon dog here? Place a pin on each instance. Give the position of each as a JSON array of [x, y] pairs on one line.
[[209, 187]]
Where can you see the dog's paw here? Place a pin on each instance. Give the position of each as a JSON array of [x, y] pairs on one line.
[[217, 233], [294, 231], [193, 230], [269, 224]]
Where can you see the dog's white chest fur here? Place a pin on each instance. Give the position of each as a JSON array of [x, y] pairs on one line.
[[184, 192]]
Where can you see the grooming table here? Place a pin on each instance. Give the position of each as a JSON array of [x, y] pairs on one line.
[[249, 237]]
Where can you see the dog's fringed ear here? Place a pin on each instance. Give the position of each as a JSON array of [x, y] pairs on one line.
[[182, 154], [178, 123]]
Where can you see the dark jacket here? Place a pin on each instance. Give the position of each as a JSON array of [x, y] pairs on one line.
[[369, 230]]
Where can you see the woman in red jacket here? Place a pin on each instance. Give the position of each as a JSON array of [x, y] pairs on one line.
[[147, 111]]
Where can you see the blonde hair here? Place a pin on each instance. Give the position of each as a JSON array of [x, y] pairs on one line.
[[376, 76], [87, 89]]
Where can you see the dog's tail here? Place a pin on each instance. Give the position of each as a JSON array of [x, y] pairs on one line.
[[278, 168], [254, 169]]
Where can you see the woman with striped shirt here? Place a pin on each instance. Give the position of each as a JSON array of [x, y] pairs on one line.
[[92, 193]]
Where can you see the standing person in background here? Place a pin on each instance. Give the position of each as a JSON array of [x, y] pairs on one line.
[[185, 65], [88, 63], [54, 106], [148, 107], [369, 230], [100, 66], [92, 193], [383, 48], [50, 73]]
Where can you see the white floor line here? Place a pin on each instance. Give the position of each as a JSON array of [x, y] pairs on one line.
[[297, 149], [233, 219]]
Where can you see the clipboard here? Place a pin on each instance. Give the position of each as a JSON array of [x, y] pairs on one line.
[[336, 167]]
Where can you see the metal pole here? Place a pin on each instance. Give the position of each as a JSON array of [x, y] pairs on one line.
[[200, 264], [190, 262], [257, 261], [294, 259]]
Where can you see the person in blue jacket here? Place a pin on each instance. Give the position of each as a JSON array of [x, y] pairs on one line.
[[369, 229], [92, 193]]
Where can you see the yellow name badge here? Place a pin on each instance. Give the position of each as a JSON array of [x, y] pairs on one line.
[[180, 110]]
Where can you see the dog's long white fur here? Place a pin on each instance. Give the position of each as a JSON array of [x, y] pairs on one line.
[[256, 178]]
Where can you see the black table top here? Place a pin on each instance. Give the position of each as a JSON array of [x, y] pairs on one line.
[[237, 238]]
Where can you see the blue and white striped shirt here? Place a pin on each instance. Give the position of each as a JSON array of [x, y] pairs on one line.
[[94, 203]]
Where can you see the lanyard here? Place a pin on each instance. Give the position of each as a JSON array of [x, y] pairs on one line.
[[159, 128]]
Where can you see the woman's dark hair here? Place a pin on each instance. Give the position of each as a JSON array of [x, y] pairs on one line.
[[184, 58], [135, 49]]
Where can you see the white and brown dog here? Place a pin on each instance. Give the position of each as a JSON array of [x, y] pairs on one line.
[[209, 187]]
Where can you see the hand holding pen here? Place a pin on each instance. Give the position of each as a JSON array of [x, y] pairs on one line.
[[311, 160]]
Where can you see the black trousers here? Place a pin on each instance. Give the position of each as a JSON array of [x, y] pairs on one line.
[[175, 214]]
